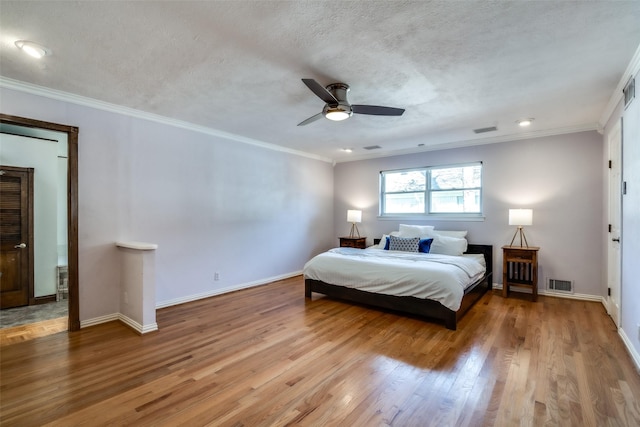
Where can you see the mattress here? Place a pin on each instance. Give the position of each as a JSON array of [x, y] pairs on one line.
[[442, 278]]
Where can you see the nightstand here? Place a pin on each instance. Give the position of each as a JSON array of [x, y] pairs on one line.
[[353, 242], [520, 268]]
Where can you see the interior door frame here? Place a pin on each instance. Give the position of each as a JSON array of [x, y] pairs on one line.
[[72, 205]]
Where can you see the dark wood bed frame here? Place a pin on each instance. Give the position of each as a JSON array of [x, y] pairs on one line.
[[421, 307]]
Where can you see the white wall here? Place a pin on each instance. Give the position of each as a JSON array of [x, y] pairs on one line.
[[63, 232], [630, 238], [559, 177], [41, 155], [211, 204]]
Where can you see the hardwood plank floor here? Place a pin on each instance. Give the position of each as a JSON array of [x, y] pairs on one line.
[[267, 356], [33, 330]]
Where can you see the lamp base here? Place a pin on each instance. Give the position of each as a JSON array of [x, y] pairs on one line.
[[355, 233], [522, 236]]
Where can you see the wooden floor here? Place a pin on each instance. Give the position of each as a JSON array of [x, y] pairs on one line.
[[269, 357], [33, 330]]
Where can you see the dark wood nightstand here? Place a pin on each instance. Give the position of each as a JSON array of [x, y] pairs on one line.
[[520, 268], [353, 242]]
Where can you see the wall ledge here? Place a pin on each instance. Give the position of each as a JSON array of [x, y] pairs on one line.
[[141, 246]]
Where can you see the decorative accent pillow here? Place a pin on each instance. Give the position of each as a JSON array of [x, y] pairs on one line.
[[405, 244], [415, 230], [386, 245], [446, 245], [424, 245]]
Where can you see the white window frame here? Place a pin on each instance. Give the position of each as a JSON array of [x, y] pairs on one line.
[[452, 216]]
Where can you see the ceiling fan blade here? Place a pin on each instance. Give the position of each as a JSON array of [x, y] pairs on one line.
[[376, 110], [320, 91], [311, 119]]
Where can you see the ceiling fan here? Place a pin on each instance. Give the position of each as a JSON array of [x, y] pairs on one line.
[[337, 105]]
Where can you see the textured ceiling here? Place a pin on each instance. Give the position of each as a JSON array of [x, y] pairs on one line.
[[235, 66]]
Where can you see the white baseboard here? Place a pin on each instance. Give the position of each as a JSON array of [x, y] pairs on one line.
[[215, 292], [141, 329], [632, 351], [547, 293], [99, 320]]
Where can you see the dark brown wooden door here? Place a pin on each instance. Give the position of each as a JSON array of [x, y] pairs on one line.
[[16, 223]]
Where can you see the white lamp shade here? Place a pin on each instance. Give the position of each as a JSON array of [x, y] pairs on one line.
[[520, 216], [354, 216]]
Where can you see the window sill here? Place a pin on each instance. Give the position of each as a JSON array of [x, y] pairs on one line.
[[450, 217]]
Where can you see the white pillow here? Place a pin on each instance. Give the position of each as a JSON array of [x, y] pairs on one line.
[[459, 234], [383, 241], [446, 245], [415, 230]]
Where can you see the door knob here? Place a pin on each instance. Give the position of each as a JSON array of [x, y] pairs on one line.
[[21, 246], [615, 239]]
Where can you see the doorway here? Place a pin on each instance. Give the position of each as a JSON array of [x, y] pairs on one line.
[[16, 238], [72, 207]]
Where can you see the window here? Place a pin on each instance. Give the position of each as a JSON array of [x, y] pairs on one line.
[[438, 190]]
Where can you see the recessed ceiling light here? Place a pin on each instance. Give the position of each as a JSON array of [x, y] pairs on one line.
[[33, 49], [347, 150], [524, 122]]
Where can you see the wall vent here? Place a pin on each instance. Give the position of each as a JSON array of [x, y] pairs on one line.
[[560, 285], [483, 130], [629, 92], [372, 147]]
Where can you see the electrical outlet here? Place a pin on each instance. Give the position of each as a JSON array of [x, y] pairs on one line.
[[216, 276]]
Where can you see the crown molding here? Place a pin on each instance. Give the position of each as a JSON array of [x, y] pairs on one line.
[[32, 89], [632, 69]]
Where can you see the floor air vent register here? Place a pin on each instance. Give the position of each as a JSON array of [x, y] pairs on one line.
[[560, 285]]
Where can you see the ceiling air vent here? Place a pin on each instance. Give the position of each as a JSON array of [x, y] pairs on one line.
[[483, 130], [372, 147]]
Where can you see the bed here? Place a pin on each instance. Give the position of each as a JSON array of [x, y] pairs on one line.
[[363, 281]]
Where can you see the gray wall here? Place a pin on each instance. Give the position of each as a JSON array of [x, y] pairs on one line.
[[211, 204], [559, 177]]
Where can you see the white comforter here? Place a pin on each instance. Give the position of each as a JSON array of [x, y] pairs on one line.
[[442, 278]]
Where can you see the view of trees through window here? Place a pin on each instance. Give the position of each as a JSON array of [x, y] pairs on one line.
[[451, 189]]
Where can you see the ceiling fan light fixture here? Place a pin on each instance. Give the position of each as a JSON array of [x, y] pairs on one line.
[[336, 114], [32, 49]]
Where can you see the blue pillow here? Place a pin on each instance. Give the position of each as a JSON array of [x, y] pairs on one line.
[[424, 245], [386, 245]]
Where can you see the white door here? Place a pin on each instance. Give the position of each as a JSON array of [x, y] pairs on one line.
[[614, 143]]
